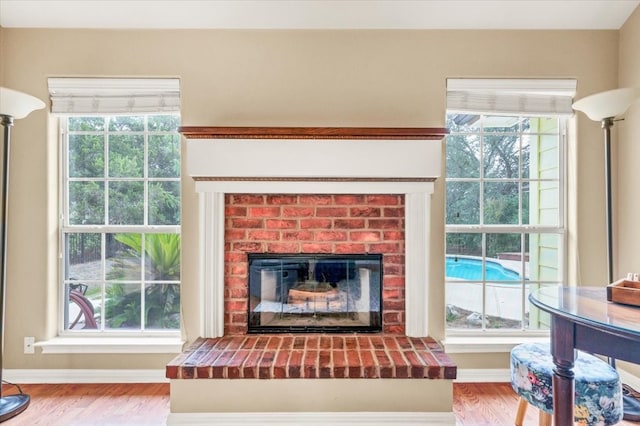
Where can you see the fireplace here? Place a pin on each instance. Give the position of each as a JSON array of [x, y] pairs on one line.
[[304, 209], [319, 164], [315, 293]]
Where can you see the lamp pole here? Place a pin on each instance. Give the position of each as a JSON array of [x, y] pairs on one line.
[[606, 125]]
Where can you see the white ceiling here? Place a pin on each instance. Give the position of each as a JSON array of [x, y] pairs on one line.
[[318, 14]]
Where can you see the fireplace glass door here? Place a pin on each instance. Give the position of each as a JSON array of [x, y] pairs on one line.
[[315, 293]]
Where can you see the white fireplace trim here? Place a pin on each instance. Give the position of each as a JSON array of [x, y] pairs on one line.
[[417, 218], [310, 158], [212, 264], [417, 237]]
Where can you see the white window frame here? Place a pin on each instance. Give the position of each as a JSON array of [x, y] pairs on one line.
[[107, 97], [66, 228], [525, 98]]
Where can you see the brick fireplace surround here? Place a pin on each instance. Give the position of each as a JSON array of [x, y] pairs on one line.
[[367, 205], [315, 223]]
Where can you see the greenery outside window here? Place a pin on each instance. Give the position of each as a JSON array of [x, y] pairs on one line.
[[504, 218], [120, 223]]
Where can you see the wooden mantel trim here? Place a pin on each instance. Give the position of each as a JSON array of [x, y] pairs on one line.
[[203, 132]]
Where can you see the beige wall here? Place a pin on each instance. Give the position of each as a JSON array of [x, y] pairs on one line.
[[628, 155], [296, 78], [627, 190]]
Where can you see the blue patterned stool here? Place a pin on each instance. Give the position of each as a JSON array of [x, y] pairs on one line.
[[598, 392]]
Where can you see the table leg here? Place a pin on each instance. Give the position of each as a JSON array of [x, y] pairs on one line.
[[563, 351]]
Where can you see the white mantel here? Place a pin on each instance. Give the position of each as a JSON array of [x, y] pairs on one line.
[[311, 158], [314, 161]]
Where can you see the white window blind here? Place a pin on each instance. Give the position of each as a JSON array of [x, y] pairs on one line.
[[511, 96], [114, 95]]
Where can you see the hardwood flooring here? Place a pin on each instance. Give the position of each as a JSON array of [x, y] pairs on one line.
[[94, 404], [474, 404]]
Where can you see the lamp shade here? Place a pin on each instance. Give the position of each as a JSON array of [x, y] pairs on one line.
[[17, 104], [609, 104]]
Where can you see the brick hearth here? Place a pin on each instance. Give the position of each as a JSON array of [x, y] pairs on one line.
[[313, 356]]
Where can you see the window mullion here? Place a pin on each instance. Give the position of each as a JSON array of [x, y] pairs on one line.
[[562, 177], [520, 172], [484, 281], [143, 280], [523, 283], [103, 284], [106, 184], [164, 229], [504, 229], [481, 183], [145, 172]]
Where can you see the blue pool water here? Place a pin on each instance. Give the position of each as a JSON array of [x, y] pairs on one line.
[[463, 268]]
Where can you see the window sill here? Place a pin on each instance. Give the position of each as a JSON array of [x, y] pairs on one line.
[[111, 345], [485, 344]]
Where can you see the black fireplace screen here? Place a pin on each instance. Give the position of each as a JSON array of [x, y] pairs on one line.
[[315, 293]]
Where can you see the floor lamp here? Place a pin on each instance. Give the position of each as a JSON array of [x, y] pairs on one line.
[[605, 107], [13, 105]]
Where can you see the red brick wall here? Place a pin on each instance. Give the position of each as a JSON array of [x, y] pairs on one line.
[[348, 224]]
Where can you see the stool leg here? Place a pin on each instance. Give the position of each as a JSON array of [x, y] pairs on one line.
[[544, 418], [522, 409]]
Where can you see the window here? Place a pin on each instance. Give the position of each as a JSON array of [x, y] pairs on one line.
[[120, 222], [505, 200]]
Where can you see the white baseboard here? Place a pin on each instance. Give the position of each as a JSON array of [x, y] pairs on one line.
[[482, 375], [158, 376], [83, 376], [24, 376], [313, 419]]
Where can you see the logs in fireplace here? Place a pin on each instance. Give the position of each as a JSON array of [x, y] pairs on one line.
[[315, 293]]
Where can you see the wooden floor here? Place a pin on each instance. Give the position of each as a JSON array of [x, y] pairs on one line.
[[475, 404], [94, 404]]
